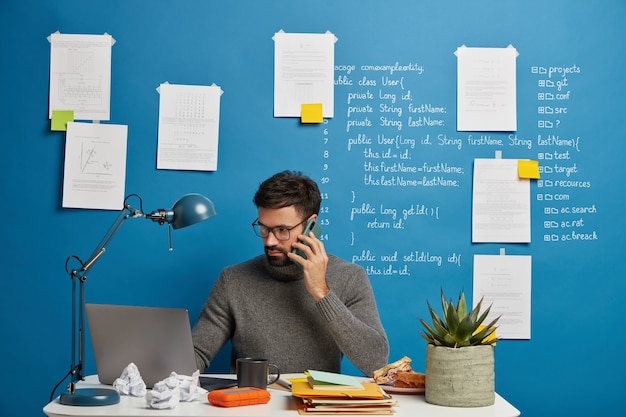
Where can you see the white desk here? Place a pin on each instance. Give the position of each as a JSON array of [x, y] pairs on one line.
[[281, 404]]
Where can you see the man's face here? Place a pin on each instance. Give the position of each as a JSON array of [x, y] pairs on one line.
[[286, 217]]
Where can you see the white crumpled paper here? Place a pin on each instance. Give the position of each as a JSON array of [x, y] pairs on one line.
[[173, 389], [130, 382]]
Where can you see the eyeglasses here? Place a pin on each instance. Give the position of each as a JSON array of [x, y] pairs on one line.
[[281, 232]]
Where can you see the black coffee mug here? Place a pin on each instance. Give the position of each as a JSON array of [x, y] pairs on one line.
[[253, 372]]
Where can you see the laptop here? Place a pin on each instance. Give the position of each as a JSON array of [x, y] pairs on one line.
[[157, 340]]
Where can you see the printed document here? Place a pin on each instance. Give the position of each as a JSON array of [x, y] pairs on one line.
[[80, 75], [500, 202], [95, 166], [189, 118], [304, 66], [505, 283], [486, 90]]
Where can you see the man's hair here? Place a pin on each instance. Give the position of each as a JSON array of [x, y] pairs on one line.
[[289, 188]]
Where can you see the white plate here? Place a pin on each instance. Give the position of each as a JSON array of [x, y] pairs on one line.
[[389, 388]]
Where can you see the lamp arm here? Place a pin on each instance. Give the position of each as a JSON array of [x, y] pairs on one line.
[[124, 214], [80, 275]]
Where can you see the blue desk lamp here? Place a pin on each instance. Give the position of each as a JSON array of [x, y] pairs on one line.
[[188, 210]]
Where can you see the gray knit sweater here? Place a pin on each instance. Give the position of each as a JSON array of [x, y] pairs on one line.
[[267, 312]]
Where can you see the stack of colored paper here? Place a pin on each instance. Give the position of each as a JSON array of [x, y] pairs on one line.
[[331, 380], [344, 395]]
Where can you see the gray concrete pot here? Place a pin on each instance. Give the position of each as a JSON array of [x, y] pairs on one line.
[[460, 377]]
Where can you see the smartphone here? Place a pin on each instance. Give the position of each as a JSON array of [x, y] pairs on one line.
[[311, 226]]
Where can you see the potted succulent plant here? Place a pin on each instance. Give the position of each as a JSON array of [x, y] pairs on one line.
[[459, 355]]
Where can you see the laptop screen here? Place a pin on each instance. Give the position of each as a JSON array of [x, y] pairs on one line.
[[157, 340]]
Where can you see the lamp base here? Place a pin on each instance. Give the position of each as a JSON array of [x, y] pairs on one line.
[[90, 397]]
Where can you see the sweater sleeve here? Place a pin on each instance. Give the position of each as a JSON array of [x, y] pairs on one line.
[[214, 325], [350, 311]]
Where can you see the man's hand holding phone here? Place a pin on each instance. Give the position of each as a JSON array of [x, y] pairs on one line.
[[312, 258]]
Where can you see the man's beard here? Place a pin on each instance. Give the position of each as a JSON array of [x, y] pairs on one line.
[[282, 260]]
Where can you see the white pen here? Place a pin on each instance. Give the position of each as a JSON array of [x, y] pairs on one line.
[[284, 383]]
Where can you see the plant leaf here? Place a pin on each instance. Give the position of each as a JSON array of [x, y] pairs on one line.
[[461, 307], [479, 338], [452, 320], [484, 315], [465, 330], [428, 328], [427, 338], [437, 322], [474, 313], [444, 307]]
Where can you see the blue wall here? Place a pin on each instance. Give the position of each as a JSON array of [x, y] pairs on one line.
[[566, 368]]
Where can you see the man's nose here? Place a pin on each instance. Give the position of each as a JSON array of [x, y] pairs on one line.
[[271, 240]]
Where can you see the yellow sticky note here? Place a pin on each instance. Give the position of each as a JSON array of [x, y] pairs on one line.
[[311, 113], [60, 119], [492, 336], [527, 168]]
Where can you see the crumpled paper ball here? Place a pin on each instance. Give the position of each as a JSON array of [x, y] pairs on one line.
[[130, 382], [173, 389]]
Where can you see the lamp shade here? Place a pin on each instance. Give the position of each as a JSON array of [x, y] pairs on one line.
[[191, 209]]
